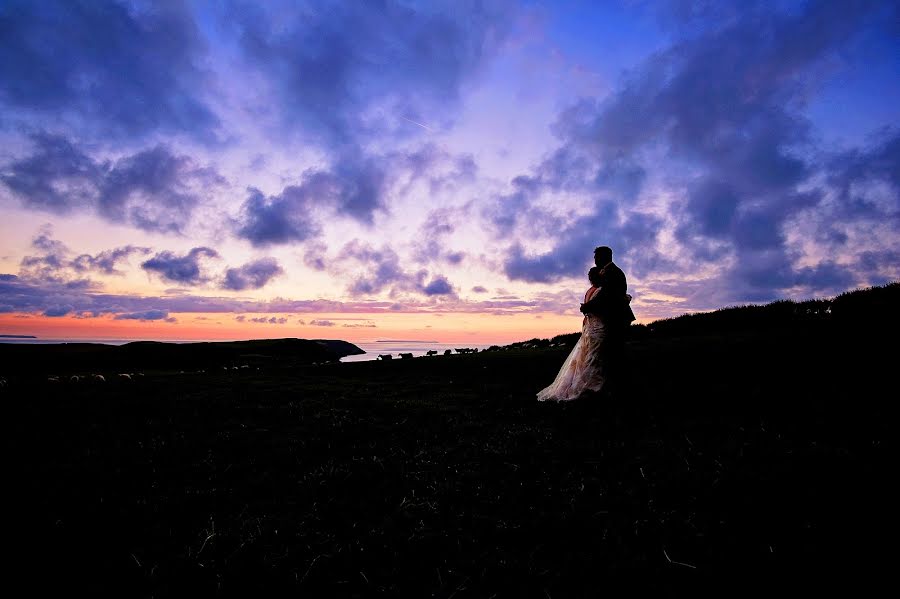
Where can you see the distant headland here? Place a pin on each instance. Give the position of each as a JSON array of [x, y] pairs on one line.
[[157, 355], [18, 337]]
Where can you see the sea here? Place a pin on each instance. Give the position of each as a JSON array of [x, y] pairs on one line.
[[394, 347]]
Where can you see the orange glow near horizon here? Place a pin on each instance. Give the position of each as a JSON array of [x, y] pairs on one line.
[[473, 328]]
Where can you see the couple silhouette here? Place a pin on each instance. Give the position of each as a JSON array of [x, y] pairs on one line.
[[594, 366]]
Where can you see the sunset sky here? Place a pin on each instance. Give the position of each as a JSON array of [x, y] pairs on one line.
[[436, 170]]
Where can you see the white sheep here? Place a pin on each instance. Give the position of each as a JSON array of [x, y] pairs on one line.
[[99, 378], [74, 378], [124, 376]]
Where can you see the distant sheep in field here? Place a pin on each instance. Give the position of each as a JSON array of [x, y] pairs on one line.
[[99, 378], [406, 356], [124, 376], [244, 366], [448, 352], [3, 383], [385, 357], [75, 378], [466, 350], [51, 379], [431, 352]]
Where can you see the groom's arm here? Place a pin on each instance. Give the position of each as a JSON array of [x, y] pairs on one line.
[[595, 305], [611, 289]]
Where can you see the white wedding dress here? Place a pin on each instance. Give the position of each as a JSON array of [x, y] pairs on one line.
[[583, 369]]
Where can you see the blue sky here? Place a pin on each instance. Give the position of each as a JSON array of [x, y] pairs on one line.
[[438, 162]]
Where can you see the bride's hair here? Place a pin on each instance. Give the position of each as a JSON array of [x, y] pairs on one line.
[[594, 275]]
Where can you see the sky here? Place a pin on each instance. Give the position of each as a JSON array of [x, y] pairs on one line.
[[436, 170]]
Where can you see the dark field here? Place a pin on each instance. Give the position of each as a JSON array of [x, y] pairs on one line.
[[730, 458]]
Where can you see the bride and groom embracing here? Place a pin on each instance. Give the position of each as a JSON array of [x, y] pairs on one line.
[[595, 363]]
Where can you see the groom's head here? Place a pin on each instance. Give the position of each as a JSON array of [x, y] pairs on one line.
[[602, 255]]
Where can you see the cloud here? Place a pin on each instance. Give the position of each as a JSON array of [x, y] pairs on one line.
[[109, 69], [154, 190], [185, 269], [314, 256], [57, 177], [360, 325], [253, 275], [632, 236], [279, 219], [866, 180], [22, 295], [56, 311], [270, 320], [321, 323], [339, 70], [53, 262], [107, 260], [479, 289], [433, 235], [146, 315], [382, 269], [715, 125], [356, 186], [438, 286]]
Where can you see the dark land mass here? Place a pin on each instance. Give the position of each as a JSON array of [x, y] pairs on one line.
[[72, 358], [759, 449], [17, 337]]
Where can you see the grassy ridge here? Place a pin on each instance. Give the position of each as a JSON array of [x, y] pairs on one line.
[[744, 455]]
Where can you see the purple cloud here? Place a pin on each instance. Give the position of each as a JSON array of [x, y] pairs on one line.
[[154, 190], [279, 219], [114, 71], [270, 320], [146, 315], [356, 186], [438, 286], [253, 275], [330, 65], [107, 260], [56, 311], [53, 262], [716, 116], [185, 269]]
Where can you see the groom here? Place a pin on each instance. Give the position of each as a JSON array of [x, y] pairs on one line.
[[611, 305]]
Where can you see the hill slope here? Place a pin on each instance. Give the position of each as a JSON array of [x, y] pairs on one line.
[[741, 457]]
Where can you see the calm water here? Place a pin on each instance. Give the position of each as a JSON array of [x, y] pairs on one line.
[[416, 348]]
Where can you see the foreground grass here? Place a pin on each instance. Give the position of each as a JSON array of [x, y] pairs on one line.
[[746, 456]]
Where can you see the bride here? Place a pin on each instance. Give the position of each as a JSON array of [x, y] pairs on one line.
[[583, 369]]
